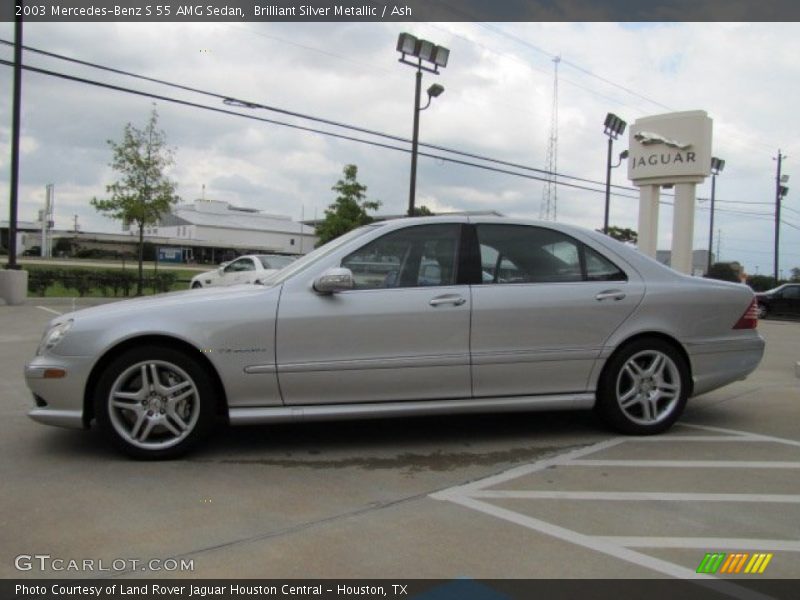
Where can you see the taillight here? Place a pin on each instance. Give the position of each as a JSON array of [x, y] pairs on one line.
[[749, 319]]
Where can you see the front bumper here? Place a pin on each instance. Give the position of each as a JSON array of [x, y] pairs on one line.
[[58, 400]]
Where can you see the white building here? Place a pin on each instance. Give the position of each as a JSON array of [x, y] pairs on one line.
[[218, 224]]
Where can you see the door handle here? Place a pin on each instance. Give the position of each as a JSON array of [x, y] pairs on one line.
[[453, 299], [610, 294]]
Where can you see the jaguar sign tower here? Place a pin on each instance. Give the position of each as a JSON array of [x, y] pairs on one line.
[[669, 150]]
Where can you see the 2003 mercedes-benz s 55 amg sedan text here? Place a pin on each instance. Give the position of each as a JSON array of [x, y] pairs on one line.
[[408, 317]]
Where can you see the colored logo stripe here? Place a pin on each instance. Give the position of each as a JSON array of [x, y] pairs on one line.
[[734, 563], [758, 563], [720, 562], [711, 562]]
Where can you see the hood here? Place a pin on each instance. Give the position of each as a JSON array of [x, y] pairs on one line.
[[134, 306]]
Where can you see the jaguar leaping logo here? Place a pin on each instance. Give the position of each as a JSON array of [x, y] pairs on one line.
[[648, 138]]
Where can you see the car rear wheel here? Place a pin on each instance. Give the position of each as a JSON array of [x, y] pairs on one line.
[[763, 311], [155, 402], [196, 285], [643, 388]]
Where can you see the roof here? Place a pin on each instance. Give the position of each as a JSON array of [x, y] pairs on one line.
[[222, 215], [458, 213]]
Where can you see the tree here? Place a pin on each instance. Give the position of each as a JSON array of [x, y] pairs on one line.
[[349, 210], [724, 272], [422, 211], [143, 192], [795, 273], [623, 235], [761, 283]]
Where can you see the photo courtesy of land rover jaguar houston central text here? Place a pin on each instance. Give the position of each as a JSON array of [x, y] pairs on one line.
[[406, 317]]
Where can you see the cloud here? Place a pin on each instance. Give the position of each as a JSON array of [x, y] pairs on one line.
[[498, 98]]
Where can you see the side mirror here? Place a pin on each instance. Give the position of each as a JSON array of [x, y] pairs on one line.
[[334, 280]]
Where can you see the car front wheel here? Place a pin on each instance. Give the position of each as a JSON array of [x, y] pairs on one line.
[[644, 388], [155, 402], [196, 285]]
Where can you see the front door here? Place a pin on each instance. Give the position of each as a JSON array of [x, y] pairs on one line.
[[401, 334]]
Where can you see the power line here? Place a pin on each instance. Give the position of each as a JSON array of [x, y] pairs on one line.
[[236, 102], [295, 126], [574, 66], [587, 72], [736, 202], [783, 207], [248, 104]]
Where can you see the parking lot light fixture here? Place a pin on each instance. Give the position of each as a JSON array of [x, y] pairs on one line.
[[434, 91], [717, 164], [423, 56], [613, 128]]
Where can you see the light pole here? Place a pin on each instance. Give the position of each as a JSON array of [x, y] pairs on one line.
[[15, 146], [780, 191], [614, 127], [437, 56], [717, 164]]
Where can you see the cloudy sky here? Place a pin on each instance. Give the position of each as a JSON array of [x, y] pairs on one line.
[[497, 103]]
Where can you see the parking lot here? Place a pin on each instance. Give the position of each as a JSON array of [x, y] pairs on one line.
[[541, 495]]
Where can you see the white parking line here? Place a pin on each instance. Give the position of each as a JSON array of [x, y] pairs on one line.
[[696, 438], [702, 543], [682, 464], [637, 496], [599, 544], [50, 310], [523, 470], [760, 437], [477, 496]]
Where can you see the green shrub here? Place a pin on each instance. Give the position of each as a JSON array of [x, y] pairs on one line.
[[162, 282], [80, 280], [41, 279]]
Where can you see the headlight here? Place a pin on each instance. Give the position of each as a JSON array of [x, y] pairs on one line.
[[53, 336]]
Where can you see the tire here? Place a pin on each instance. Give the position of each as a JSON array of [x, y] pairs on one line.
[[763, 311], [197, 285], [643, 388], [161, 417]]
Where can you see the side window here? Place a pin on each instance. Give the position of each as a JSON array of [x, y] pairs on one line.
[[424, 255], [527, 254], [599, 268], [242, 264], [792, 292]]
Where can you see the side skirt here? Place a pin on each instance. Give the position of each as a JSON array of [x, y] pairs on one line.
[[282, 414]]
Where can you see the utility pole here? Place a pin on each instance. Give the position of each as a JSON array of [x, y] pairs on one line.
[[778, 194], [15, 118]]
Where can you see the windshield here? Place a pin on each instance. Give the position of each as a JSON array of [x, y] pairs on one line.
[[319, 253], [275, 262]]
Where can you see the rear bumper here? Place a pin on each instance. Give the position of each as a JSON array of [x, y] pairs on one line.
[[720, 362]]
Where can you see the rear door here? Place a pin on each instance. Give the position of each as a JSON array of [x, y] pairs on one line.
[[546, 305]]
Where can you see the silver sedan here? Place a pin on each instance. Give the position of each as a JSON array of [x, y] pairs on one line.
[[408, 317]]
